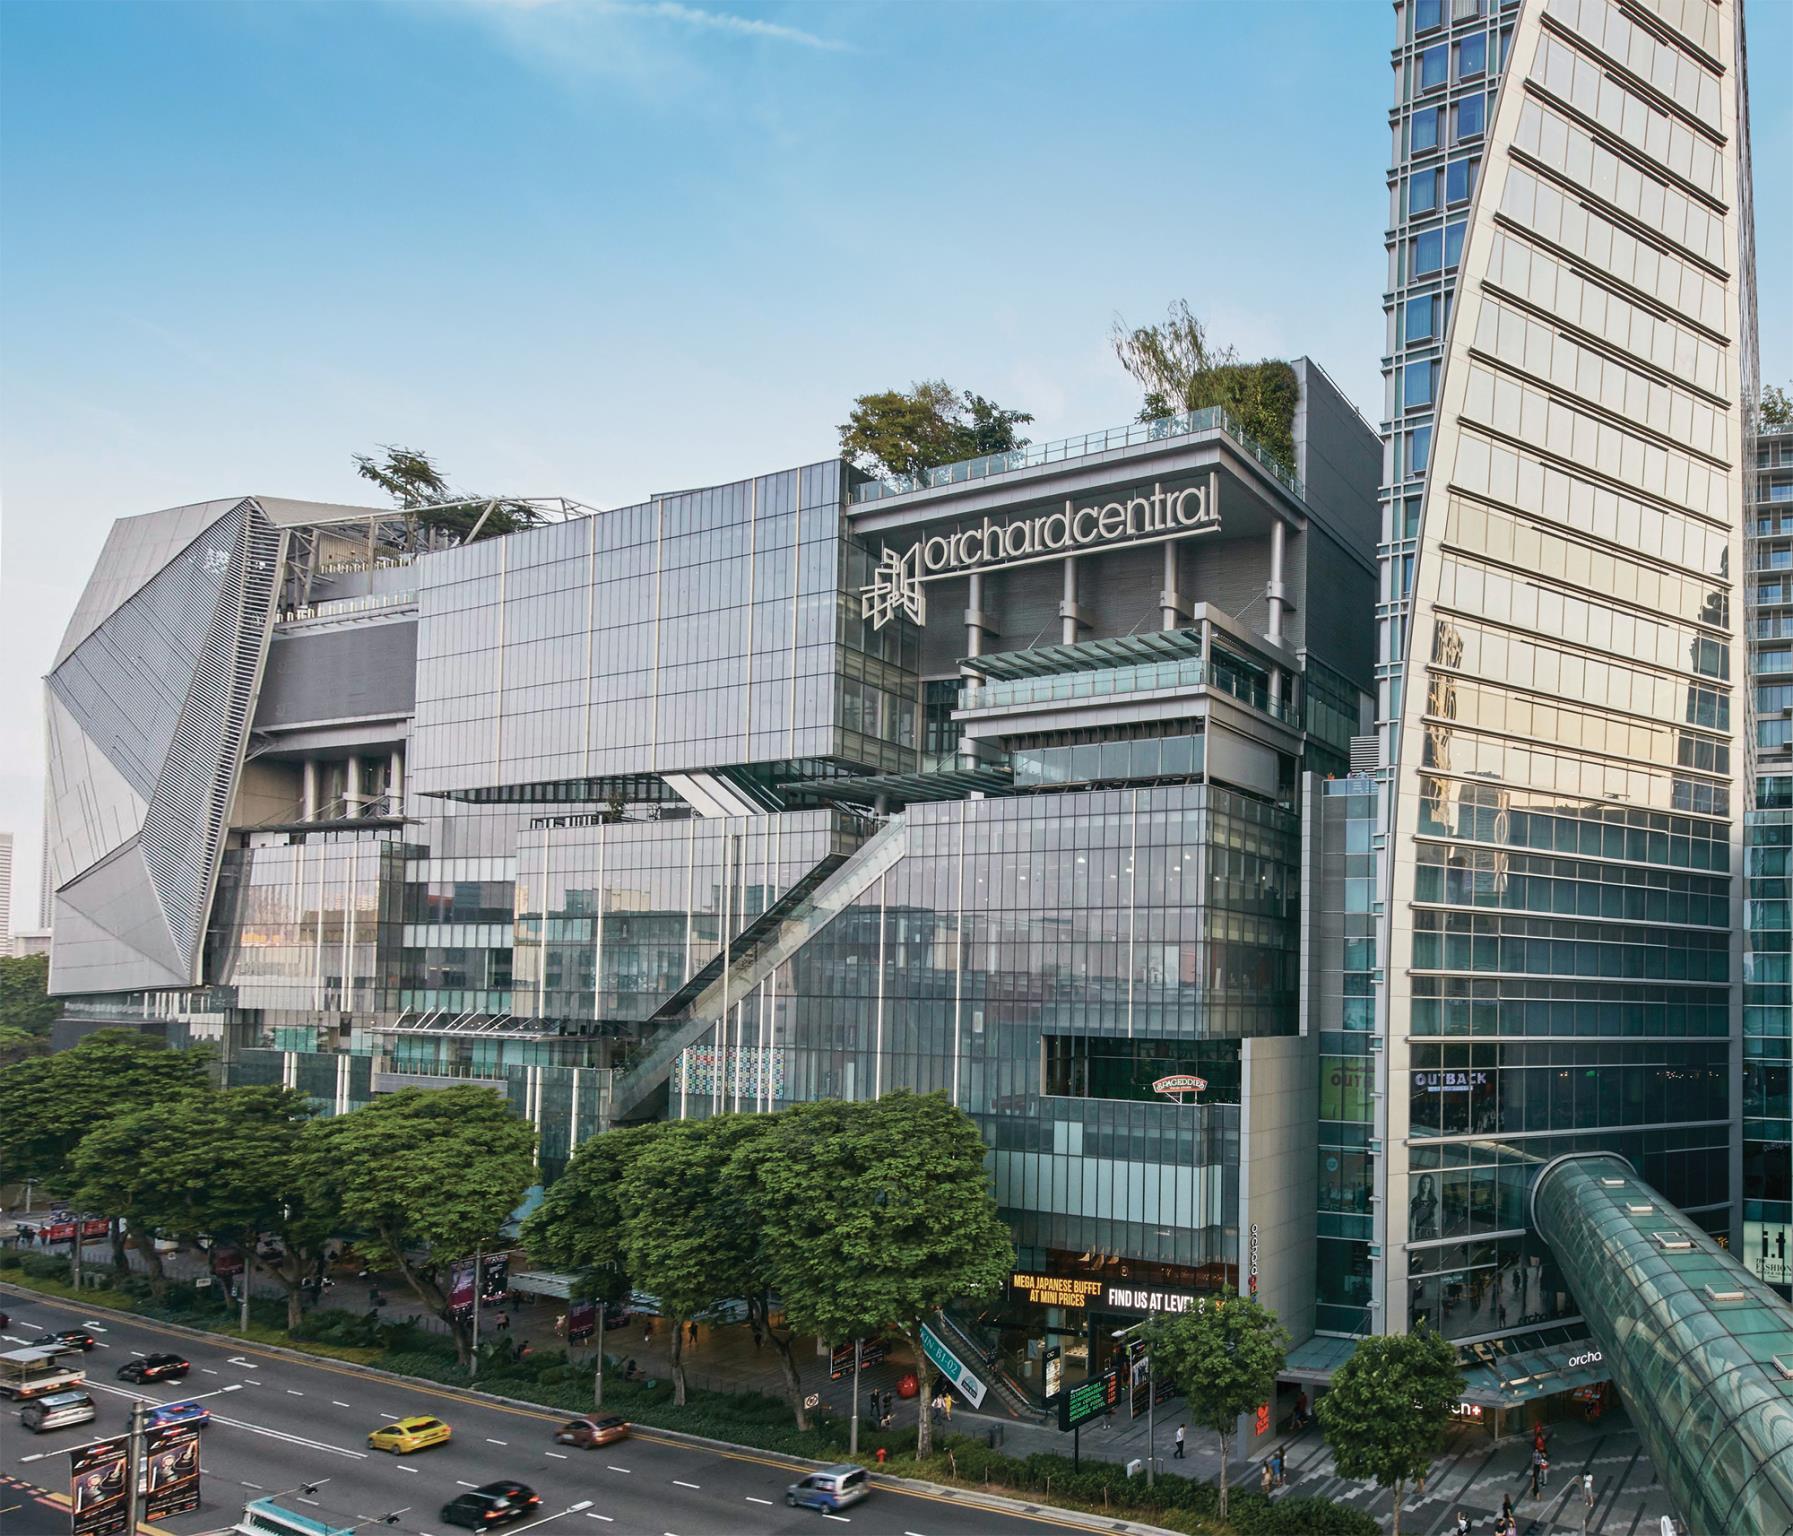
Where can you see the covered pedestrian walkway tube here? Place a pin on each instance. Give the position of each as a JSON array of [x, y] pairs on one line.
[[1700, 1348]]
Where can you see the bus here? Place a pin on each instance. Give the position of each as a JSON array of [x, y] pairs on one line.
[[28, 1373]]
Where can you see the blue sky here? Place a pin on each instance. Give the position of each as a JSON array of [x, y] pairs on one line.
[[603, 249]]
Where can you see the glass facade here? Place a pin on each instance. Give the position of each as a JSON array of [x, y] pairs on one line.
[[1564, 759]]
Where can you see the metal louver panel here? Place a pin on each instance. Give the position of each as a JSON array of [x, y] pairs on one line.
[[183, 829]]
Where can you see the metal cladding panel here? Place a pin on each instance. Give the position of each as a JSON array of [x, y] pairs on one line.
[[360, 673], [148, 716]]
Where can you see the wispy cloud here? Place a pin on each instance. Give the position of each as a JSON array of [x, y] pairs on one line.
[[692, 17]]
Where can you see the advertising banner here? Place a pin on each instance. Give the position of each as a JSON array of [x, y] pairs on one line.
[[97, 1488], [460, 1287], [582, 1321], [64, 1231], [957, 1373], [227, 1262], [171, 1458], [494, 1278], [840, 1362]]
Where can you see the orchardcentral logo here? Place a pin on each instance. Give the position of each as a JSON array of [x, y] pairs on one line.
[[896, 585]]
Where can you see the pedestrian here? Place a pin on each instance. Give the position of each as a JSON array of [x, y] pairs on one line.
[[647, 1332], [946, 1402], [691, 1331], [1300, 1419], [504, 1322], [934, 1408], [1587, 1488], [1506, 1508], [1537, 1466], [1278, 1465], [560, 1326], [1543, 1471], [1178, 1453], [1462, 1524], [1266, 1480]]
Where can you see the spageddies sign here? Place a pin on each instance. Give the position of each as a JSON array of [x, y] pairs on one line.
[[896, 585]]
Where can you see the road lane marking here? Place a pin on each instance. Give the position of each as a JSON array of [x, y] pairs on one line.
[[683, 1484], [557, 1455], [208, 1370], [411, 1470], [256, 1486], [752, 1500], [250, 1381], [294, 1392], [437, 1393], [335, 1404], [460, 1484], [312, 1502], [491, 1441], [13, 1338], [592, 1514], [138, 1353], [97, 1327], [614, 1468], [844, 1520]]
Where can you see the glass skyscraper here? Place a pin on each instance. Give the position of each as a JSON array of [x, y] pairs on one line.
[[1563, 729]]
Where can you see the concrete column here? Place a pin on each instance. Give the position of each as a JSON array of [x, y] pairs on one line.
[[395, 783], [351, 790], [1071, 619], [308, 809], [1274, 590], [1169, 597]]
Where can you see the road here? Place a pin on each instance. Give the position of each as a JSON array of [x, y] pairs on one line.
[[278, 1424]]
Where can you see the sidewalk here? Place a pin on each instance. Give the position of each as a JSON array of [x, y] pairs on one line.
[[1472, 1473]]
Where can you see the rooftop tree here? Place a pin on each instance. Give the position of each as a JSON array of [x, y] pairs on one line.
[[902, 432], [421, 489]]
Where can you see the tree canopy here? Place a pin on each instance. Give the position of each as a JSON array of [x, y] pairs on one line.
[[1776, 410], [25, 1003], [1388, 1408], [901, 432], [1223, 1356], [1181, 369], [418, 486], [876, 1216], [49, 1103], [431, 1175]]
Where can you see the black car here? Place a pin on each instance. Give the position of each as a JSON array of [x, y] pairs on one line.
[[154, 1368], [491, 1505], [75, 1338]]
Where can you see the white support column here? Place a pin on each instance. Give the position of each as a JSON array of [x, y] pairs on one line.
[[1170, 600], [1275, 591], [395, 783], [1071, 617], [308, 809], [351, 791]]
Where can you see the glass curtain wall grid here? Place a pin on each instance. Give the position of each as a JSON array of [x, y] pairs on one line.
[[704, 629], [1070, 943], [1768, 897], [1564, 756]]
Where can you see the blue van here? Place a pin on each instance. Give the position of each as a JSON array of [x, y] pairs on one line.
[[831, 1489]]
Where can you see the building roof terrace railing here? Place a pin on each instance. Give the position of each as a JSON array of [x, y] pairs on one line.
[[1213, 418]]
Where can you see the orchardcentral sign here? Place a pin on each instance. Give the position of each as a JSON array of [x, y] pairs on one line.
[[896, 585]]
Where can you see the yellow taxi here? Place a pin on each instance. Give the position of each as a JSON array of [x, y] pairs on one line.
[[406, 1435]]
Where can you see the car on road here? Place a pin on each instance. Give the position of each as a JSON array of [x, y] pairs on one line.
[[491, 1505], [831, 1489], [77, 1338], [403, 1436], [155, 1368], [57, 1411], [592, 1432], [178, 1413]]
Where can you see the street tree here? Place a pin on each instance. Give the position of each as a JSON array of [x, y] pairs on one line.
[[49, 1103], [25, 1002], [431, 1174], [215, 1163], [1181, 369], [877, 1215], [1388, 1408], [1223, 1357], [901, 432]]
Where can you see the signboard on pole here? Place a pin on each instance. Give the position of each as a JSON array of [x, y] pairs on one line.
[[958, 1375], [98, 1493], [840, 1359], [582, 1321], [171, 1457], [1089, 1399], [460, 1288], [63, 1231], [494, 1277]]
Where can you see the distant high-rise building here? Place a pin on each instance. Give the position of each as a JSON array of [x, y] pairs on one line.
[[5, 893]]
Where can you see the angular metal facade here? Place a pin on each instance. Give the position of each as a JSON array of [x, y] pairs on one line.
[[148, 706]]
